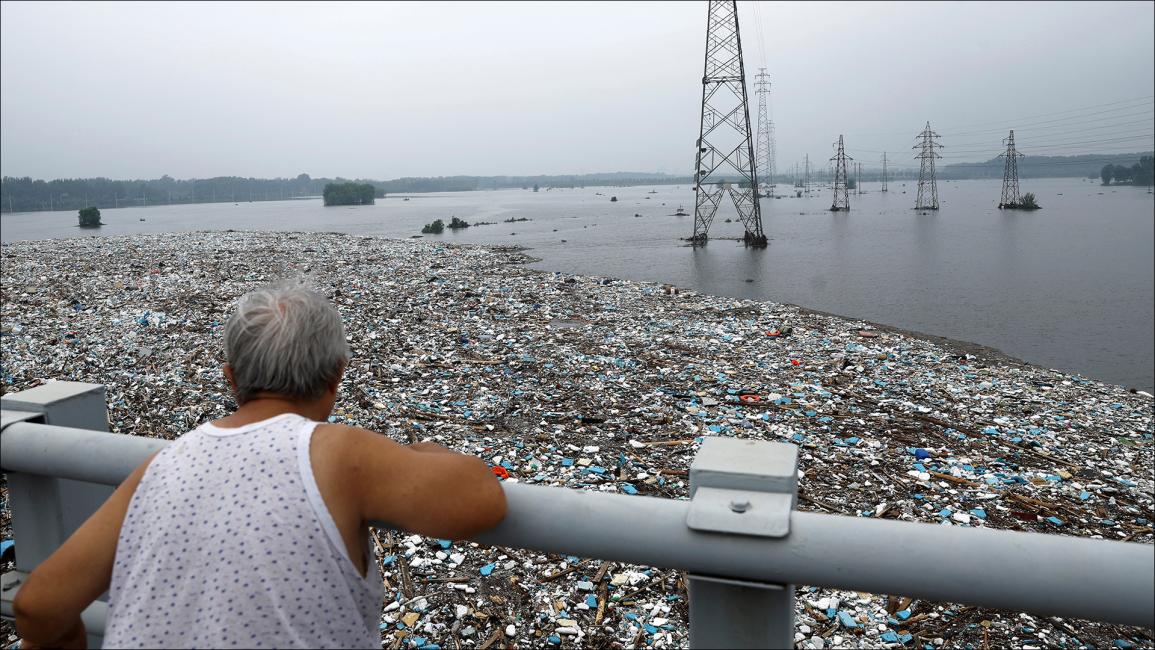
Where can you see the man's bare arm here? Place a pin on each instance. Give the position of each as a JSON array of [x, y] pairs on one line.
[[429, 490], [49, 604]]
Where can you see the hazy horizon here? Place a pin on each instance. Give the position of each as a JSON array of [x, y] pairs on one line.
[[391, 90]]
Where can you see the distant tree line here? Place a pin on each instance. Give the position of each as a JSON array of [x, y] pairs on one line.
[[348, 194], [1141, 173], [25, 194], [1085, 166]]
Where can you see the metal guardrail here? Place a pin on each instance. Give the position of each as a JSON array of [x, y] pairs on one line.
[[738, 536]]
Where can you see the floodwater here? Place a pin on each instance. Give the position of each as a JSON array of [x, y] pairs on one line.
[[1068, 287]]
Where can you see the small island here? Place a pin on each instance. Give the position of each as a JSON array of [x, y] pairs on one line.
[[349, 194], [90, 218], [1026, 202]]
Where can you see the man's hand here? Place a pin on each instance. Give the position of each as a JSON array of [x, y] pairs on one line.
[[75, 639]]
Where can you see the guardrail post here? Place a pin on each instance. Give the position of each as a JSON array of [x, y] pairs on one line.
[[742, 487], [47, 510]]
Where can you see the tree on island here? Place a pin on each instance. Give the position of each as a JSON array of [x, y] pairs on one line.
[[458, 224], [435, 228], [1141, 173], [349, 194], [90, 218]]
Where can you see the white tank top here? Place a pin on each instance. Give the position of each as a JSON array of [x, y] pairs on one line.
[[228, 544]]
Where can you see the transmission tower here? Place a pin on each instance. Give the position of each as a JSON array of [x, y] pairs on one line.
[[762, 156], [724, 140], [773, 166], [927, 184], [841, 197], [883, 171], [807, 182], [1010, 197]]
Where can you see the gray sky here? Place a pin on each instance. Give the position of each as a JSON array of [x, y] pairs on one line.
[[137, 90]]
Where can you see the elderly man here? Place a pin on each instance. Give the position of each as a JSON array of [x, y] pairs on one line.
[[252, 531]]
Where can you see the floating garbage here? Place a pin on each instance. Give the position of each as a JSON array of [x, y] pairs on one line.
[[610, 386]]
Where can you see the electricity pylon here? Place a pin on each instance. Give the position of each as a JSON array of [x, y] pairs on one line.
[[763, 156], [724, 140], [883, 171], [1010, 197], [807, 174], [927, 184], [841, 197]]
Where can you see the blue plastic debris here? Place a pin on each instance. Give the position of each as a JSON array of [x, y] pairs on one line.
[[488, 569], [388, 559], [1124, 644], [6, 546], [591, 600], [1084, 495], [445, 543], [906, 638], [629, 489], [553, 639], [945, 512], [921, 453], [979, 512], [889, 637], [903, 614], [1055, 520], [650, 629], [846, 619]]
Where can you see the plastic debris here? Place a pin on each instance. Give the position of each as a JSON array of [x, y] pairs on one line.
[[606, 385]]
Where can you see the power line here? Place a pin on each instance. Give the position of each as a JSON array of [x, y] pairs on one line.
[[1072, 110], [1020, 121]]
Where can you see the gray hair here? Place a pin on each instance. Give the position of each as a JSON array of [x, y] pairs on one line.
[[285, 339]]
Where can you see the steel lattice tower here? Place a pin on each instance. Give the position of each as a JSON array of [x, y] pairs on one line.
[[725, 143], [773, 166], [763, 149], [807, 185], [927, 184], [841, 196], [883, 171], [1010, 197]]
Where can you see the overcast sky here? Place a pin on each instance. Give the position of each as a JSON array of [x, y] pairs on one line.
[[137, 90]]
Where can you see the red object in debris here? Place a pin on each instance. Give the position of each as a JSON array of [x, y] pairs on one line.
[[795, 362], [749, 398], [774, 333], [500, 472]]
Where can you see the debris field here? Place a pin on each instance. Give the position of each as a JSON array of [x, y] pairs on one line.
[[609, 385]]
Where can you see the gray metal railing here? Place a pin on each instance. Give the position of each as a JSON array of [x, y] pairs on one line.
[[739, 536]]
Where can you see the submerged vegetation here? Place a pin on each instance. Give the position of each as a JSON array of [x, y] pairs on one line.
[[1026, 202], [349, 194], [90, 218]]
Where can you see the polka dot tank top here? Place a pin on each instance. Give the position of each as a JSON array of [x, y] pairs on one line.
[[228, 544]]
